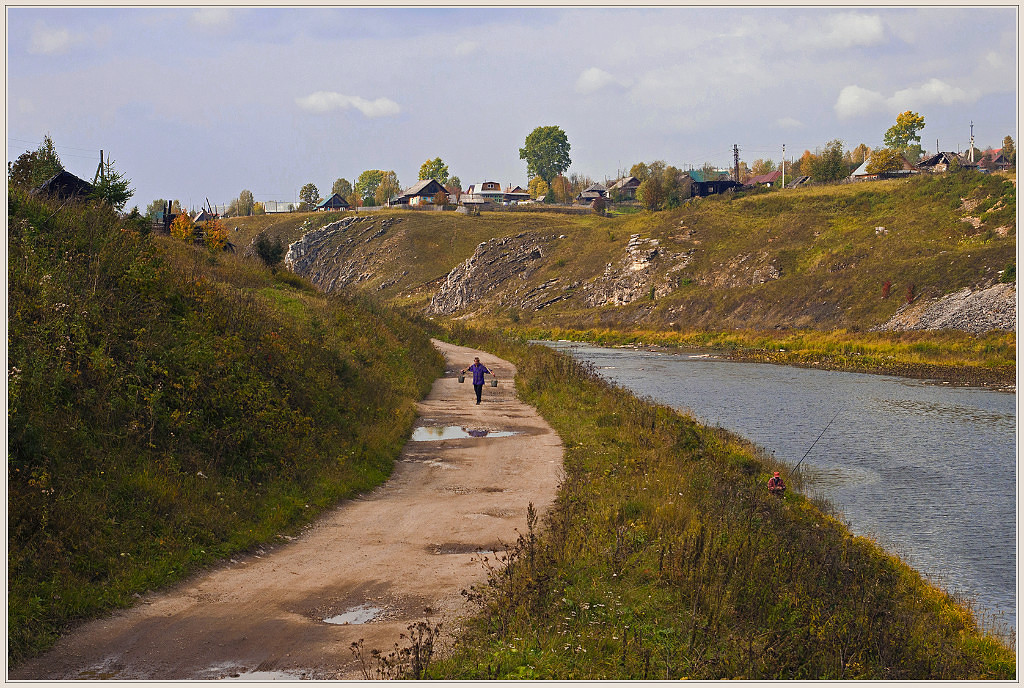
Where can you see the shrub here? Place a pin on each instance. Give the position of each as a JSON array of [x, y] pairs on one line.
[[1009, 274]]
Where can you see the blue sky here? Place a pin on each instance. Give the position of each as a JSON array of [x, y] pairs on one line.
[[203, 102]]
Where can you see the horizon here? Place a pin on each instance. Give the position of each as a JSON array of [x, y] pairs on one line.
[[197, 103]]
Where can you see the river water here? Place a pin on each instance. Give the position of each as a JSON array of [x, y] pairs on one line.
[[926, 470]]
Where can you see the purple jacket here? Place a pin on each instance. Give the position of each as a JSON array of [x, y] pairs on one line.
[[478, 370]]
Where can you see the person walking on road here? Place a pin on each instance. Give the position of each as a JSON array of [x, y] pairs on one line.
[[479, 370]]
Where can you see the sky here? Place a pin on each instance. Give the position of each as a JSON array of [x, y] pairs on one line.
[[196, 103]]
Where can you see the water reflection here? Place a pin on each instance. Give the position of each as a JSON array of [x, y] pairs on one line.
[[455, 432], [928, 471]]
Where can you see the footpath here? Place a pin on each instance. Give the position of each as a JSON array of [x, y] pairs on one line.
[[366, 570]]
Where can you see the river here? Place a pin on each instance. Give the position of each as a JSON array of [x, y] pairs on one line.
[[926, 470]]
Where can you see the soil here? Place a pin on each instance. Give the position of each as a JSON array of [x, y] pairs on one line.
[[399, 555]]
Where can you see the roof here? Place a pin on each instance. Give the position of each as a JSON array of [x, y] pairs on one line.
[[336, 197], [699, 176], [626, 182], [944, 158], [64, 184], [595, 187], [424, 187], [769, 178]]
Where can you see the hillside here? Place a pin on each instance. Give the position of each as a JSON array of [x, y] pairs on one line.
[[168, 406], [845, 256]]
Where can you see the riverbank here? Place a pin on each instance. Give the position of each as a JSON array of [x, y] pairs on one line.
[[664, 558], [957, 358]]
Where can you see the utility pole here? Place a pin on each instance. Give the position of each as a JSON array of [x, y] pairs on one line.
[[783, 166], [736, 161], [99, 169], [972, 141]]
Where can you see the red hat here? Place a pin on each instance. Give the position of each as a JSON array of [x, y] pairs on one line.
[[776, 474]]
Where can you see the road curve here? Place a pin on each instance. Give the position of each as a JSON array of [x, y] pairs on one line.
[[410, 545]]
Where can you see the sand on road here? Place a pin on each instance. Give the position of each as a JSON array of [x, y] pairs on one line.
[[378, 561]]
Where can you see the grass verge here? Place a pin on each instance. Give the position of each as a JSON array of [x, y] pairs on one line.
[[664, 557], [168, 406]]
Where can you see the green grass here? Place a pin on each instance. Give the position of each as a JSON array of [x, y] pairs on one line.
[[168, 406], [664, 557]]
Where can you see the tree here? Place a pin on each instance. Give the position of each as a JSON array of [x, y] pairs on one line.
[[112, 187], [546, 153], [435, 169], [270, 252], [901, 135], [454, 187], [440, 198], [245, 203], [366, 185], [387, 188], [561, 188], [885, 160], [33, 168], [342, 187], [538, 188], [155, 208], [828, 165], [859, 154], [1009, 151], [759, 167], [650, 194], [215, 234], [183, 228], [309, 196]]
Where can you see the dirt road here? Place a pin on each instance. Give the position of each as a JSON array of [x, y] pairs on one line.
[[377, 562]]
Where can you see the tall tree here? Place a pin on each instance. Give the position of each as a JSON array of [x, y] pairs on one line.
[[759, 167], [112, 187], [341, 187], [387, 188], [1009, 151], [828, 165], [435, 169], [903, 135], [546, 153], [309, 196], [33, 168], [885, 160], [245, 203], [562, 189], [454, 187], [366, 185]]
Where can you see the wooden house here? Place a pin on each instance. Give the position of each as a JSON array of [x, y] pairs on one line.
[[940, 162], [708, 184], [769, 179], [335, 202], [422, 193], [516, 195], [592, 193], [64, 185], [624, 189], [485, 192]]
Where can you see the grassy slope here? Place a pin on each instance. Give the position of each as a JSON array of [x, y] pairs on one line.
[[665, 557], [823, 240], [167, 407]]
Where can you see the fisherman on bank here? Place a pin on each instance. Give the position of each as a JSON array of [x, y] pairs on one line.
[[775, 484], [479, 370]]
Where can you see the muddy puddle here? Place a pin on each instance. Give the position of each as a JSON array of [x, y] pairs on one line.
[[455, 432], [364, 613]]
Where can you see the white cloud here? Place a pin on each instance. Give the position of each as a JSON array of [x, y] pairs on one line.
[[466, 48], [326, 101], [854, 101], [211, 17], [932, 92], [849, 29], [50, 41], [595, 79]]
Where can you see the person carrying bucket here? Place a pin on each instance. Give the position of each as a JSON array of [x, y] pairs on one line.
[[775, 484], [479, 370]]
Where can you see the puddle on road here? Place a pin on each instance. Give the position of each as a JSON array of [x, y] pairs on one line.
[[364, 613], [455, 432], [264, 676]]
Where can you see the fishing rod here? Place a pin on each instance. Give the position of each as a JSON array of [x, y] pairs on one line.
[[815, 442]]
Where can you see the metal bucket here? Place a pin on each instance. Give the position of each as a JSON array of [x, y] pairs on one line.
[[494, 382], [462, 378]]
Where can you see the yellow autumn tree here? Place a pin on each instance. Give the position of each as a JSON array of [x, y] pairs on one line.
[[183, 228], [216, 235]]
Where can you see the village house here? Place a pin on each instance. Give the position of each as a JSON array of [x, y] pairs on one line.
[[592, 193], [624, 189], [422, 193], [335, 202], [769, 179], [707, 184], [940, 162], [516, 194], [994, 160], [64, 185], [862, 174], [484, 192]]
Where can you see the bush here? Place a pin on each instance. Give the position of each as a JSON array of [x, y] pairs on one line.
[[1009, 274]]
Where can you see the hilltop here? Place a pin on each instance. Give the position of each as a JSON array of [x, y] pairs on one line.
[[853, 258]]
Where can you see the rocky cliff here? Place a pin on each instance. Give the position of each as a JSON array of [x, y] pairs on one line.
[[976, 311]]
